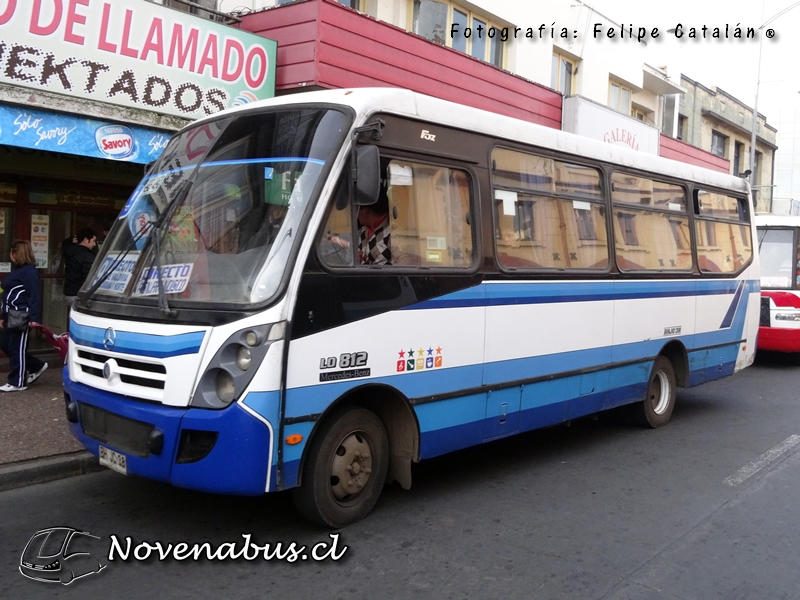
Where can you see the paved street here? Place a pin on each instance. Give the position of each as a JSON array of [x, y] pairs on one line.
[[703, 508]]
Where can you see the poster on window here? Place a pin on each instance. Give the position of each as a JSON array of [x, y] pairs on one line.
[[40, 234]]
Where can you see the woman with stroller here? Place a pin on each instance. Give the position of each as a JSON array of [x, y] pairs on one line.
[[20, 293]]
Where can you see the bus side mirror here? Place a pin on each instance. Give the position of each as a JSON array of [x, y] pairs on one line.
[[367, 175]]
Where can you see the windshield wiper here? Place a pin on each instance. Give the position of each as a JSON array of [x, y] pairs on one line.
[[149, 226], [158, 233], [163, 305]]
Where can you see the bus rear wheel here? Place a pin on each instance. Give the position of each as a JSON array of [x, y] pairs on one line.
[[345, 469], [659, 401]]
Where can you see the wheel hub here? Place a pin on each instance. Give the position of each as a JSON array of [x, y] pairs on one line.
[[352, 467]]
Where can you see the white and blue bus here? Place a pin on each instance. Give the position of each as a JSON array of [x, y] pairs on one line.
[[234, 336]]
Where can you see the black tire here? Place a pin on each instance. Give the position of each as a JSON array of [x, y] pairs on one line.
[[659, 401], [353, 444]]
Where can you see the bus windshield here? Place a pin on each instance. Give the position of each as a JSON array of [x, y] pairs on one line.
[[776, 248], [215, 218]]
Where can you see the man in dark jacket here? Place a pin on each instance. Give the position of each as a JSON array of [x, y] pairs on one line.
[[78, 259]]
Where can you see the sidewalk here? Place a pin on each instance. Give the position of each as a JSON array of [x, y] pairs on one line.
[[35, 443]]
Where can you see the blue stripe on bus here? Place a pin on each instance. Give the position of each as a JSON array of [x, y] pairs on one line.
[[314, 399], [456, 436], [539, 292], [139, 344], [728, 319]]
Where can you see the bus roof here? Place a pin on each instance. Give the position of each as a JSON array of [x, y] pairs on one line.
[[366, 101], [770, 220]]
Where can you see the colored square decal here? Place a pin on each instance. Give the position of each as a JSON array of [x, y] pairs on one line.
[[429, 362], [438, 361], [401, 366], [410, 364], [420, 363]]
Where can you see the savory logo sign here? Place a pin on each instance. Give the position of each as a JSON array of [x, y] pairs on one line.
[[135, 54], [114, 141]]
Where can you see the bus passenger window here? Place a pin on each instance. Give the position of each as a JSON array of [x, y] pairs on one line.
[[420, 219], [723, 232], [536, 225], [651, 225], [428, 211]]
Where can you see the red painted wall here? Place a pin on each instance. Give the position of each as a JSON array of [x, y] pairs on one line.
[[678, 150], [324, 44]]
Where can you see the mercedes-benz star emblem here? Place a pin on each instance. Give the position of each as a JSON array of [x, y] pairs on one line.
[[109, 338]]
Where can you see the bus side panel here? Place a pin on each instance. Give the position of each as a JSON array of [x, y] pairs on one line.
[[721, 318], [650, 314], [432, 348], [266, 407], [536, 329], [451, 425], [751, 328]]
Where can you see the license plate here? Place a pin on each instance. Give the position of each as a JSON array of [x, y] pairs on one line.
[[113, 460]]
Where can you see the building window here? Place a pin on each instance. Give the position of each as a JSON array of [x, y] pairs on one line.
[[683, 127], [677, 234], [711, 234], [195, 7], [619, 98], [627, 228], [738, 150], [719, 144], [561, 76], [585, 222], [642, 114], [472, 33]]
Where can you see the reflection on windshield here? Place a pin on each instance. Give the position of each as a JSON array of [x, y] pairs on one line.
[[227, 198]]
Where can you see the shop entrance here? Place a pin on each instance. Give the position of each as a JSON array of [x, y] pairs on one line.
[[46, 198]]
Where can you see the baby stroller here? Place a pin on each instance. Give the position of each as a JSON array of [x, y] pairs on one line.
[[59, 341]]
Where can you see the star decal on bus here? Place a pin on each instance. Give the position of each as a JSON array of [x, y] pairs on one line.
[[419, 360]]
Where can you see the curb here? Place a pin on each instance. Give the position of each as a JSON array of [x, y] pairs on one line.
[[41, 470]]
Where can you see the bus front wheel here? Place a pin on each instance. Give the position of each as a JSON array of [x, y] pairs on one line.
[[659, 401], [345, 469]]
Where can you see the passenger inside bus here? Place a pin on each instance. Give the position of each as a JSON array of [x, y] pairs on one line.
[[374, 232]]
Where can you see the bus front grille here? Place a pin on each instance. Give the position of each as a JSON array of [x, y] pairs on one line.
[[127, 435], [132, 372]]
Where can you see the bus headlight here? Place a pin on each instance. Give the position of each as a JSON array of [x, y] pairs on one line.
[[226, 390], [233, 366], [244, 358]]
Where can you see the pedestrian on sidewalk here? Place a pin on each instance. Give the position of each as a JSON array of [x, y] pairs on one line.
[[21, 292], [78, 259]]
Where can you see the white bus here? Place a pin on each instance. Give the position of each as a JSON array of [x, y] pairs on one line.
[[316, 291], [779, 248]]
